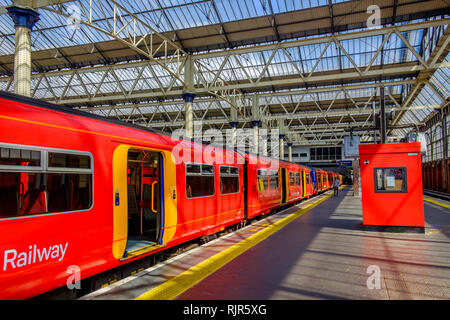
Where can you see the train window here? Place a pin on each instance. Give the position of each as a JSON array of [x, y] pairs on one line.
[[199, 180], [273, 179], [19, 157], [307, 178], [229, 180], [390, 179], [27, 190], [207, 169], [297, 178], [292, 179], [192, 168], [67, 160], [262, 179]]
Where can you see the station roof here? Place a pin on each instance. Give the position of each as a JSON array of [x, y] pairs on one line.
[[314, 62]]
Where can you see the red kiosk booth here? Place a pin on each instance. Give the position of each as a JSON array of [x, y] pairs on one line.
[[391, 185]]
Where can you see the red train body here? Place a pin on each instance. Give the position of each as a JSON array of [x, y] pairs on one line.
[[85, 194]]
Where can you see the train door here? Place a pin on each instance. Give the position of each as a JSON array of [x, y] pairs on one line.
[[283, 185], [303, 176], [313, 182], [145, 198], [246, 189]]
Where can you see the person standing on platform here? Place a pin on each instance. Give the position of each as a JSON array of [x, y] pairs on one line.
[[336, 184]]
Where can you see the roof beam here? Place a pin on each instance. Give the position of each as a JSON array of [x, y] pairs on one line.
[[439, 53], [326, 39]]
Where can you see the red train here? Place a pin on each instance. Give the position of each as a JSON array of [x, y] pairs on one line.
[[81, 192], [433, 173]]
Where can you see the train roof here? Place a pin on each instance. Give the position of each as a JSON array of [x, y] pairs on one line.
[[81, 113]]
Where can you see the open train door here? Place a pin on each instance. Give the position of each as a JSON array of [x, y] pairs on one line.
[[145, 194], [284, 187], [144, 200], [303, 182]]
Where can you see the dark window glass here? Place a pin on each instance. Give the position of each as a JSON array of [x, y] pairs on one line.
[[390, 180], [199, 186], [338, 153], [274, 180], [192, 168], [307, 178], [207, 169], [262, 180], [25, 193], [318, 154], [67, 160], [303, 155], [19, 157], [291, 178], [229, 185], [298, 178], [199, 180], [229, 180]]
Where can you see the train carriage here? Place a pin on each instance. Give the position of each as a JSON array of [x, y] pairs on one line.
[[81, 191]]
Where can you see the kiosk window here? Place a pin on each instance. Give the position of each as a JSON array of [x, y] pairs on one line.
[[390, 180]]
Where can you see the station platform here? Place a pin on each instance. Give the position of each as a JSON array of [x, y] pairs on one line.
[[317, 249]]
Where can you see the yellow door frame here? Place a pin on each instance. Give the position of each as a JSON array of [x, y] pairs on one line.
[[120, 197]]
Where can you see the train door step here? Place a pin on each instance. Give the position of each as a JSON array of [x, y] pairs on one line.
[[138, 247]]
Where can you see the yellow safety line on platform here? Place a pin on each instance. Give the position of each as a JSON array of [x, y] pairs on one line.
[[184, 281], [437, 202]]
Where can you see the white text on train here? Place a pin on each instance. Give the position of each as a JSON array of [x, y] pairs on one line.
[[12, 259]]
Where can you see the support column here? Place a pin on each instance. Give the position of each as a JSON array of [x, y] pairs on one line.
[[189, 118], [255, 136], [282, 146], [264, 141], [234, 134], [290, 151], [282, 134], [382, 117], [444, 150], [256, 120], [234, 122], [24, 21], [374, 123], [188, 96]]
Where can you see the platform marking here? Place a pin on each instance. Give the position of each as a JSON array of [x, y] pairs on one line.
[[184, 281], [437, 202]]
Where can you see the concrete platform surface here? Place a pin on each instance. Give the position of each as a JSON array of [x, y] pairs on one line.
[[323, 253]]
